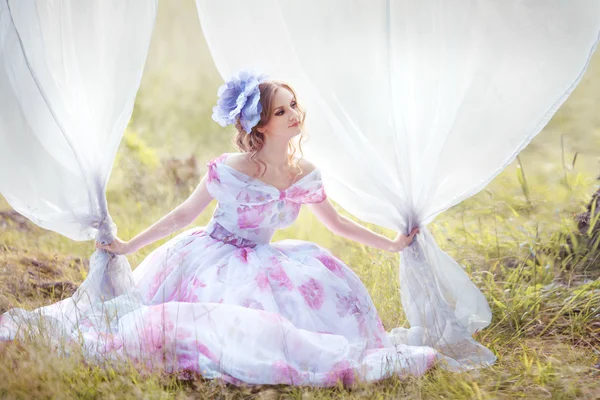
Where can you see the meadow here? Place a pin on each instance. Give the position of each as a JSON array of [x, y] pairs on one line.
[[524, 240]]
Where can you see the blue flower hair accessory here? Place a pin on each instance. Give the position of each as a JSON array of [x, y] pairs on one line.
[[239, 98]]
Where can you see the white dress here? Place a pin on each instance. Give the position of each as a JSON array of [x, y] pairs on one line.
[[224, 301]]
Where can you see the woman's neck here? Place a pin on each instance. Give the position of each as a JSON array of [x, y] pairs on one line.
[[274, 154]]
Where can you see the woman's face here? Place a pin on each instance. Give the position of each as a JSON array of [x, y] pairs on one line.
[[285, 117]]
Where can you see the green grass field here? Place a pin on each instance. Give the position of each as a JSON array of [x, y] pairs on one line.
[[518, 239]]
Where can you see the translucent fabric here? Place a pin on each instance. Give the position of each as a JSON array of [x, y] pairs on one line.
[[424, 102], [224, 301], [69, 73]]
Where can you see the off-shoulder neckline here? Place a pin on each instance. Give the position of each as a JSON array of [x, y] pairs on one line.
[[263, 182]]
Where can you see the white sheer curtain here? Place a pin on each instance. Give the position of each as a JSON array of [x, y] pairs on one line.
[[424, 102], [69, 73]]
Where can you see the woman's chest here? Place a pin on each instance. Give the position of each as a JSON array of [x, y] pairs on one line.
[[278, 180], [272, 214]]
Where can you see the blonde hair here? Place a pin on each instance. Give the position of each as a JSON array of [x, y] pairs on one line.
[[254, 140]]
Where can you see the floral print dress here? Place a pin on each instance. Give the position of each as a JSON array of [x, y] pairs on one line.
[[225, 302], [246, 309]]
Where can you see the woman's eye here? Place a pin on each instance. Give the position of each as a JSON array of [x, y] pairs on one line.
[[294, 104], [280, 112]]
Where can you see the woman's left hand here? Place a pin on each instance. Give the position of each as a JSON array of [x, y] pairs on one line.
[[403, 241]]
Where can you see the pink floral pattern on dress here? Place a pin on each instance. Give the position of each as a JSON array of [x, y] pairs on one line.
[[244, 195], [213, 175], [348, 305], [251, 303], [312, 291], [331, 264], [285, 373], [277, 275], [273, 276], [186, 290], [297, 192], [242, 254], [251, 217], [342, 371], [317, 196], [157, 327], [262, 280], [111, 341], [187, 354], [158, 280], [266, 314]]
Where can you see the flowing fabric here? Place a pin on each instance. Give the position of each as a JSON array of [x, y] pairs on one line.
[[425, 103], [69, 73], [226, 302]]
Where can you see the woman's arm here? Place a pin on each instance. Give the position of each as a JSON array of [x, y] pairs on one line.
[[347, 228], [183, 215]]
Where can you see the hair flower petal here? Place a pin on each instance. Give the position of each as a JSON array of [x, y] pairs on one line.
[[239, 98]]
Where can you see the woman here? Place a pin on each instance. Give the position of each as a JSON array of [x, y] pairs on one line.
[[230, 303]]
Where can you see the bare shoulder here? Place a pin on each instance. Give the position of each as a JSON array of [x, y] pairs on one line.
[[241, 162], [307, 166]]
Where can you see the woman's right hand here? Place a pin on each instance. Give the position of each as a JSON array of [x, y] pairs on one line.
[[117, 246], [402, 241]]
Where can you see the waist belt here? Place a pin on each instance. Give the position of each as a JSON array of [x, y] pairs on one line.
[[222, 234]]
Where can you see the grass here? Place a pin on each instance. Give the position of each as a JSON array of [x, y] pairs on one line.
[[518, 239], [545, 330]]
